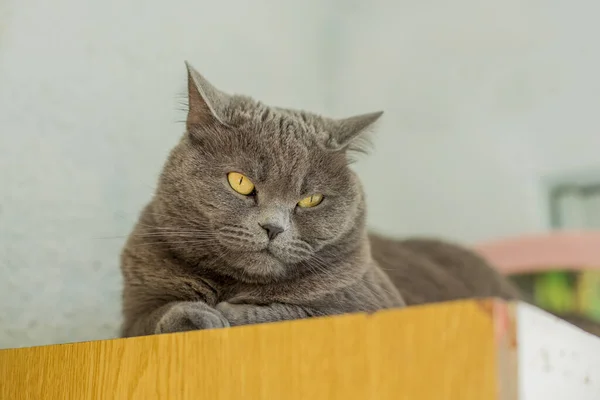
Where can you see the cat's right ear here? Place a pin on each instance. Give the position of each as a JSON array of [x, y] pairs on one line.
[[206, 103]]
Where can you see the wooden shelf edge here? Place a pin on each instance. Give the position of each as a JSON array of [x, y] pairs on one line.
[[457, 350]]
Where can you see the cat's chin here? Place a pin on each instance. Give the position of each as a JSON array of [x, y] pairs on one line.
[[261, 266]]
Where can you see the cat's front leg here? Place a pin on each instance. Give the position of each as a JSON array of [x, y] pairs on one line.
[[245, 314], [189, 316]]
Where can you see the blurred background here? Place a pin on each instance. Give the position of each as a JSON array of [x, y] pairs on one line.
[[489, 107]]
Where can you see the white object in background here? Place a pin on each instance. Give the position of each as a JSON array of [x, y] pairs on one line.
[[557, 361]]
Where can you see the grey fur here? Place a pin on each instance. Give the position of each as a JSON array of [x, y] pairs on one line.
[[188, 316]]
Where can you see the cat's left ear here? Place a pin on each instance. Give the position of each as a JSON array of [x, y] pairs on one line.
[[348, 133], [206, 103]]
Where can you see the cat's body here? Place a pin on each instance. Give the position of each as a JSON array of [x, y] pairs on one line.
[[429, 270], [285, 239]]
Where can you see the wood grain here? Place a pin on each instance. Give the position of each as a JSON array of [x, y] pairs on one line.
[[445, 351]]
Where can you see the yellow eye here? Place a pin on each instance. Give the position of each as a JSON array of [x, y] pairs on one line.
[[240, 183], [311, 201]]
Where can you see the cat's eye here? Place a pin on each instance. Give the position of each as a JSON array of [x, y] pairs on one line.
[[240, 183], [311, 201]]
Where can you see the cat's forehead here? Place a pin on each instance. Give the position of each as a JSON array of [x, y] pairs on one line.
[[307, 128], [283, 145]]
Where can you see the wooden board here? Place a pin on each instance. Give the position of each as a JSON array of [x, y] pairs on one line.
[[452, 351]]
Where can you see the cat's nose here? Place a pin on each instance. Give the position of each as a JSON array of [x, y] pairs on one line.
[[272, 230]]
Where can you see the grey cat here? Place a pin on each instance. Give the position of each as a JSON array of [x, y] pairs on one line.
[[257, 218]]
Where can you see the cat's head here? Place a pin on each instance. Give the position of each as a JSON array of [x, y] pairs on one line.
[[268, 190]]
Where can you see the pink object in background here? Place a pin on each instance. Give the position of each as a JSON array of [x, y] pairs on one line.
[[536, 253]]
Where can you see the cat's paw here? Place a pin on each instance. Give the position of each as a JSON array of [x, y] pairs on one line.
[[190, 316], [239, 313]]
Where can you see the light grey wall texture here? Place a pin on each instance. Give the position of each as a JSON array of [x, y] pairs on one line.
[[482, 99]]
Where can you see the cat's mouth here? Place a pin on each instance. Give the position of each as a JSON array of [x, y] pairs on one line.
[[267, 251], [283, 255]]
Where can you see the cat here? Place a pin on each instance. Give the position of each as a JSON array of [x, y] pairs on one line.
[[258, 217]]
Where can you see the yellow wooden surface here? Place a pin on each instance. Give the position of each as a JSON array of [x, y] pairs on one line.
[[439, 352]]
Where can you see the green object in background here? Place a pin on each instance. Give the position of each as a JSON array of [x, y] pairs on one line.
[[588, 294], [564, 292], [553, 291]]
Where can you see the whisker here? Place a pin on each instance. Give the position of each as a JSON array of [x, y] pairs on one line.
[[320, 266], [364, 279], [170, 242], [168, 228], [179, 216], [164, 234]]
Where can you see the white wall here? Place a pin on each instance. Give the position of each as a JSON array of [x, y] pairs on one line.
[[481, 99]]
